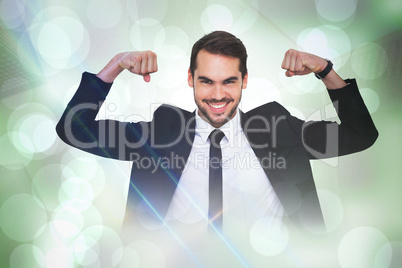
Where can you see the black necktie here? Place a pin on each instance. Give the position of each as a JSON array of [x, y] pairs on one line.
[[215, 179]]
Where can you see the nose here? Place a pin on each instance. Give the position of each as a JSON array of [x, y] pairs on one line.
[[218, 92]]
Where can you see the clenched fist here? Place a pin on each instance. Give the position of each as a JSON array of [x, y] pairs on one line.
[[302, 63], [138, 62], [141, 63]]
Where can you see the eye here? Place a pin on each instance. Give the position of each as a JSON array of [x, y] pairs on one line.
[[228, 82], [207, 82]]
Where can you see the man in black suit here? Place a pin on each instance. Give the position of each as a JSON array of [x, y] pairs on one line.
[[169, 177]]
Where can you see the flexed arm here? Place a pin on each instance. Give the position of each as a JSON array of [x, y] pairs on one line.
[[325, 139], [108, 138]]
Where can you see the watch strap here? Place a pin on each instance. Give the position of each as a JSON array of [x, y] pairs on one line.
[[324, 72]]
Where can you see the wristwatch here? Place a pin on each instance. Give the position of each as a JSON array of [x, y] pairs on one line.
[[324, 73]]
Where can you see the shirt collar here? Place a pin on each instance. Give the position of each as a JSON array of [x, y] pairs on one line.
[[230, 128]]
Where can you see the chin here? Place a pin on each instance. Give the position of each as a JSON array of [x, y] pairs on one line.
[[220, 120]]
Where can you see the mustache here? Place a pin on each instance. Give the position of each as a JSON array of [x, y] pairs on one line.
[[218, 101]]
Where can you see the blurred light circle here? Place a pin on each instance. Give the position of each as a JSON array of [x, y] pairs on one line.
[[85, 247], [359, 246], [261, 87], [59, 257], [174, 46], [46, 184], [12, 13], [20, 113], [84, 167], [78, 40], [67, 223], [301, 84], [22, 216], [150, 254], [15, 92], [269, 237], [44, 135], [171, 53], [60, 38], [97, 244], [332, 209], [143, 33], [96, 179], [22, 142], [216, 17], [14, 159], [383, 257], [41, 132], [104, 14], [371, 99], [245, 16], [326, 41], [173, 36], [91, 216], [312, 40], [174, 75], [126, 257], [33, 132], [27, 256], [53, 42], [389, 255], [336, 11], [369, 61], [77, 191], [85, 251], [156, 9]]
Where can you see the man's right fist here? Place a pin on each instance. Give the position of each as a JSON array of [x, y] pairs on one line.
[[139, 62]]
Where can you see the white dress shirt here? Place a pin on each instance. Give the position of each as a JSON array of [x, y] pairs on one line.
[[248, 196]]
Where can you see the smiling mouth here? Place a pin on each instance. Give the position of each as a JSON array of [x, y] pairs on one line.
[[218, 106]]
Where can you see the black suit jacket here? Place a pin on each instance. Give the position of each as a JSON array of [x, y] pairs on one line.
[[159, 149]]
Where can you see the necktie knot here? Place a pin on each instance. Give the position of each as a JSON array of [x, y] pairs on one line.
[[215, 137]]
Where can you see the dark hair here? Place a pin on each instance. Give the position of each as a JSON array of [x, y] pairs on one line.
[[220, 43]]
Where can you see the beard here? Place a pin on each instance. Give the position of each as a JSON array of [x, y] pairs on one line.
[[220, 120]]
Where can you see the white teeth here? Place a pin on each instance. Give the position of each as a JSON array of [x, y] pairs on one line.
[[217, 106]]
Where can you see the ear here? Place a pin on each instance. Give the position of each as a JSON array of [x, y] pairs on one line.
[[190, 78], [245, 80]]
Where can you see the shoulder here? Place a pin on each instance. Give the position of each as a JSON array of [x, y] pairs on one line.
[[268, 109], [170, 122], [169, 113]]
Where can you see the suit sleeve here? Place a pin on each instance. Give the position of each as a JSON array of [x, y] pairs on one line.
[[107, 138], [356, 132]]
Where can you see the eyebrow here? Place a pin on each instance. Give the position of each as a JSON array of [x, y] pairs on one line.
[[226, 80]]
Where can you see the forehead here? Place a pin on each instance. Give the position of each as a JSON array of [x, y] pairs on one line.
[[216, 63]]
